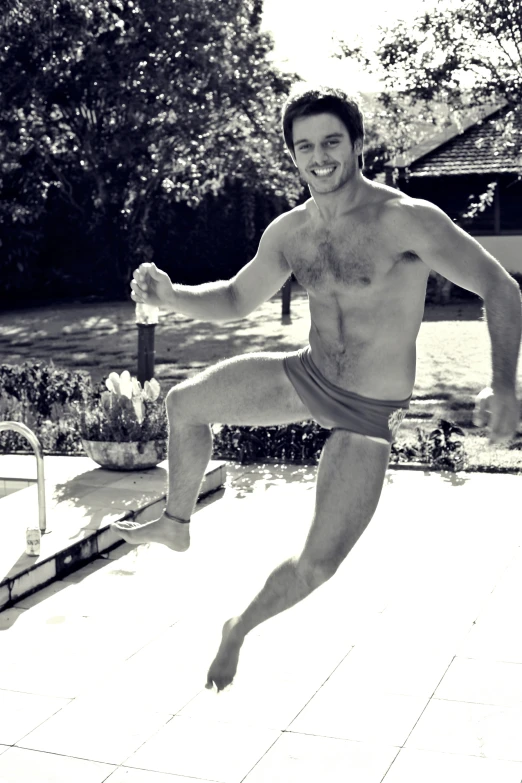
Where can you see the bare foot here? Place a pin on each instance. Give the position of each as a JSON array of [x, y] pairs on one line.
[[224, 666], [166, 531]]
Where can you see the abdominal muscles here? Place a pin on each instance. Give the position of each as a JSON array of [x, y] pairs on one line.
[[363, 347]]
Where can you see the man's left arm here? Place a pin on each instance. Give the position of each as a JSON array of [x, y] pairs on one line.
[[453, 253]]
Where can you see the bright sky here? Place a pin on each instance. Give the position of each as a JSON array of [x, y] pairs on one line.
[[303, 31]]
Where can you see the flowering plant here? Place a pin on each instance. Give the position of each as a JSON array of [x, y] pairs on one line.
[[126, 412]]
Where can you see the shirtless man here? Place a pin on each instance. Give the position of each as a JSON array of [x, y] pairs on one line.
[[363, 252]]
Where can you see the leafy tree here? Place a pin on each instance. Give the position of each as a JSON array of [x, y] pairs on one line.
[[110, 107], [450, 59]]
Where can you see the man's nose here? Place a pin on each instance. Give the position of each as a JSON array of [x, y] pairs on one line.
[[320, 155]]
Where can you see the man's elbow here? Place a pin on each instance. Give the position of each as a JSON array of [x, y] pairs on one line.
[[239, 305], [503, 286]]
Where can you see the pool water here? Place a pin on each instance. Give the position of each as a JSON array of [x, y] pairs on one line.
[[10, 485]]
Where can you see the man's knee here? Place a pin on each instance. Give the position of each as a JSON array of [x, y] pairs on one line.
[[315, 571], [181, 405]]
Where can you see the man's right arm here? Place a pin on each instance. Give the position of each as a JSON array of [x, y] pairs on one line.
[[223, 300], [206, 302]]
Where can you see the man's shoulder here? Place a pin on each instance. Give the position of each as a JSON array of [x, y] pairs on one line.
[[297, 215], [288, 221], [413, 215], [404, 207]]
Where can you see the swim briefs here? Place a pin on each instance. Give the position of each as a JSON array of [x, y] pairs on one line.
[[335, 408]]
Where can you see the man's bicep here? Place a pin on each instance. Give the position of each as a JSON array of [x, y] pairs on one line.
[[452, 252], [262, 277]]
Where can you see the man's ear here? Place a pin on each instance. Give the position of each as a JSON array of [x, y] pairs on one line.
[[358, 146]]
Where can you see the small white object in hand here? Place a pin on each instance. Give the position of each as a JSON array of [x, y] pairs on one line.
[[146, 313]]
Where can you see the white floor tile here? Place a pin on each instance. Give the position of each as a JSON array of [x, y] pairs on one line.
[[469, 729], [301, 758], [161, 677], [20, 766], [402, 666], [385, 718], [412, 766], [72, 651], [201, 749], [482, 682], [20, 713], [127, 775], [108, 735], [494, 637]]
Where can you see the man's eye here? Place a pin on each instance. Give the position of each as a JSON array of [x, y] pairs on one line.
[[333, 143], [304, 147]]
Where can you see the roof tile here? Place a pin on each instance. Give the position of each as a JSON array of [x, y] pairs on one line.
[[480, 149]]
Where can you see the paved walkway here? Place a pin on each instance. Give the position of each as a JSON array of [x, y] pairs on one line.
[[406, 667]]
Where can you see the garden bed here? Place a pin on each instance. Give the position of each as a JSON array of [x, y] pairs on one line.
[[47, 398]]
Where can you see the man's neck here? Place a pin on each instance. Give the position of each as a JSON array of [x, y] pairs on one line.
[[331, 206]]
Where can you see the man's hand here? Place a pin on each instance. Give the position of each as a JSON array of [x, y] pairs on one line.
[[151, 286], [500, 411]]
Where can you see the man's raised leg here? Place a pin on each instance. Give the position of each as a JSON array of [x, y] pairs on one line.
[[349, 483], [252, 389]]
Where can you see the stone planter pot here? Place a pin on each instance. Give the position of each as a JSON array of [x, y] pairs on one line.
[[134, 455]]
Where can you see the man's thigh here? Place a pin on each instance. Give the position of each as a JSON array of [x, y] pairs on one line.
[[251, 389], [350, 478]]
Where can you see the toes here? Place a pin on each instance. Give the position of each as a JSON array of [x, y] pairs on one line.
[[219, 682], [215, 679]]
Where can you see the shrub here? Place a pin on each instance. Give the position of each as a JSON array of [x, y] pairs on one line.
[[302, 442], [42, 396], [44, 386], [440, 449]]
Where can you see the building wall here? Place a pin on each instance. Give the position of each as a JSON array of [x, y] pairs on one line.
[[506, 249]]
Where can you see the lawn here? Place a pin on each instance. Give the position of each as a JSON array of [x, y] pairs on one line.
[[453, 353], [453, 365]]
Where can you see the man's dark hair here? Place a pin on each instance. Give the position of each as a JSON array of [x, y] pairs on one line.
[[306, 101]]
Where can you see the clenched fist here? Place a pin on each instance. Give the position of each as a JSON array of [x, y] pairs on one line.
[[151, 286], [499, 411]]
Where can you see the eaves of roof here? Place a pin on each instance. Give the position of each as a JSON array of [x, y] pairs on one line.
[[468, 148]]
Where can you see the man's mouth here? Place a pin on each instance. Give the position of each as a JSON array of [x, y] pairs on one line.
[[324, 171]]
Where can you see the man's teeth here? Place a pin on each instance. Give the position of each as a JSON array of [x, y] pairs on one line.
[[323, 172]]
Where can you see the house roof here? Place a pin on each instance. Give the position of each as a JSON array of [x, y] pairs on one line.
[[477, 147]]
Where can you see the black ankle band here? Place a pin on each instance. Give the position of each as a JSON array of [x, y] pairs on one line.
[[176, 519]]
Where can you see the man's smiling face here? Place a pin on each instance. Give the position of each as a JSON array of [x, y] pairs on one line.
[[324, 153]]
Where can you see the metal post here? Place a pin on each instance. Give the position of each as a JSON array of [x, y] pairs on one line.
[[146, 318], [146, 352], [29, 435]]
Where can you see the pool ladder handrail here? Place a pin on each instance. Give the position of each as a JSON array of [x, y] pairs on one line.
[[24, 430]]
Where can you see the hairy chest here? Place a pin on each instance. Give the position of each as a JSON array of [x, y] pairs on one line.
[[354, 258]]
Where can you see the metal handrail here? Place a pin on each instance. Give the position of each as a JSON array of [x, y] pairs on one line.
[[24, 430]]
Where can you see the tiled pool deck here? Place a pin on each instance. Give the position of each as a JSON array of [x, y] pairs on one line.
[[81, 501], [405, 668]]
